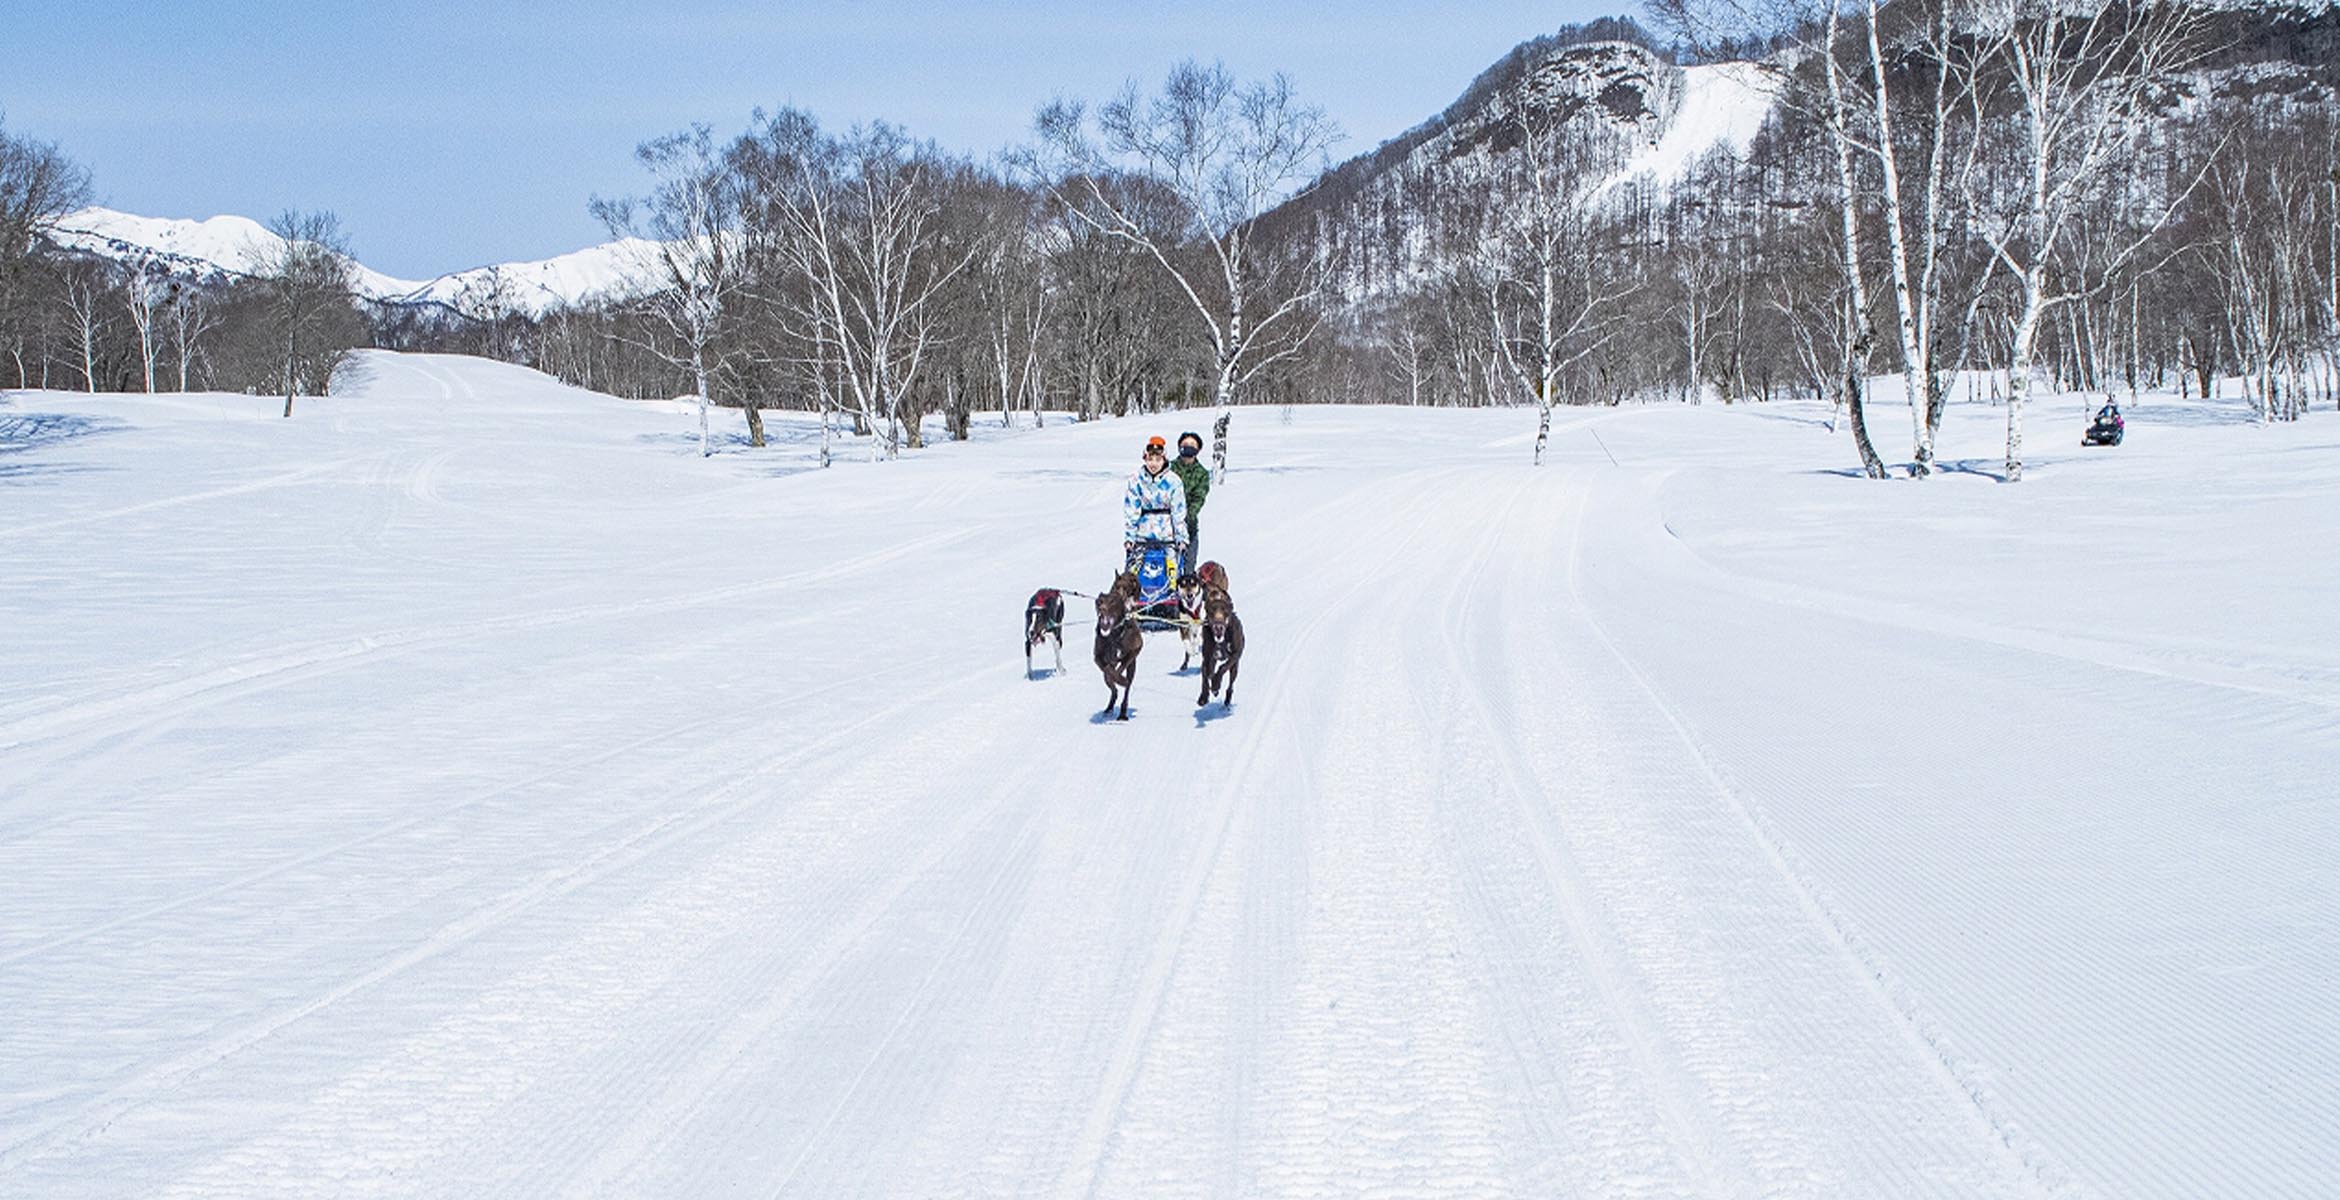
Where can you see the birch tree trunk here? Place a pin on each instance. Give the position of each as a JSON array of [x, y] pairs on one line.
[[1915, 369], [699, 378], [1855, 281], [2019, 372]]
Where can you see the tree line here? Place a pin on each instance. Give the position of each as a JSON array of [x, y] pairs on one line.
[[91, 322], [1971, 197], [1115, 264]]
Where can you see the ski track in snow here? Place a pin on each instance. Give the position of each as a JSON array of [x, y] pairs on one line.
[[464, 789]]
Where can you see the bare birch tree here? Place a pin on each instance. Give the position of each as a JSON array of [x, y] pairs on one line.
[[1550, 289], [2081, 75], [146, 291], [85, 298], [858, 224], [38, 184], [1820, 25], [688, 273], [309, 284], [192, 315], [1227, 153]]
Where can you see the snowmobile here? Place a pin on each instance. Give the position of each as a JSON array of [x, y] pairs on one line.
[[2106, 429]]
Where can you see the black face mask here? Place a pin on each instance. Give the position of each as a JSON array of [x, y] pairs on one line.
[[1183, 452]]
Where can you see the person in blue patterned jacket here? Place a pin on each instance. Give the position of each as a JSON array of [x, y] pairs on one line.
[[1154, 507]]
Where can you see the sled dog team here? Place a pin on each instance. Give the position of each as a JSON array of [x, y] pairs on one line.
[[1160, 508]]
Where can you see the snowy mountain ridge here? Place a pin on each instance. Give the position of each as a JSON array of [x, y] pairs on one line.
[[230, 246], [1656, 119]]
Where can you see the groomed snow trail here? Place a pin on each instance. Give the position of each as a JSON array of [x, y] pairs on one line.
[[463, 789]]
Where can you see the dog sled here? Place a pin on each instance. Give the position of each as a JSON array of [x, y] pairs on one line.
[[1150, 595], [1156, 565]]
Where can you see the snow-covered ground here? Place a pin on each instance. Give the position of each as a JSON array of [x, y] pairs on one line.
[[464, 789]]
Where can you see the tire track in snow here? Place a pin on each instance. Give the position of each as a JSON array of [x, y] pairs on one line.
[[2262, 680], [1084, 1171], [1378, 1079], [1870, 986], [718, 735], [1715, 1166], [1591, 1128], [92, 1116], [474, 1063], [700, 1080], [303, 661], [719, 1082], [422, 484], [2039, 1028], [883, 1080], [283, 479]]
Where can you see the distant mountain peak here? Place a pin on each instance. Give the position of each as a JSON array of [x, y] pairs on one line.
[[232, 246]]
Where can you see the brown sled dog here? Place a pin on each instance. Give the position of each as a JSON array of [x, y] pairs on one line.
[[1222, 646], [1118, 641]]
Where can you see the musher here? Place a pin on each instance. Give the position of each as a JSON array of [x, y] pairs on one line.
[[1197, 479], [1154, 507]]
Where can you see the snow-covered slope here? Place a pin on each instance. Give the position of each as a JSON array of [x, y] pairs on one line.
[[1722, 104], [609, 269], [234, 245], [1648, 118], [463, 789], [229, 244]]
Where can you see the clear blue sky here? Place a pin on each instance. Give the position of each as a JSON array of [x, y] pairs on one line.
[[447, 135]]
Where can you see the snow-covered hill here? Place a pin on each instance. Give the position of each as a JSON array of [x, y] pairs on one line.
[[1617, 85], [232, 245], [1650, 119], [464, 789], [1721, 104]]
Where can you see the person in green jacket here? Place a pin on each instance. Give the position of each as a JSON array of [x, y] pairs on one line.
[[1197, 478]]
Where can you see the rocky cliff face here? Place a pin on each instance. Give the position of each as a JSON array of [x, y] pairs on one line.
[[1617, 85], [1620, 85], [1384, 211]]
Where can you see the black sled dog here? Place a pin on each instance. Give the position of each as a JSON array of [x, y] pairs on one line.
[[1044, 621]]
